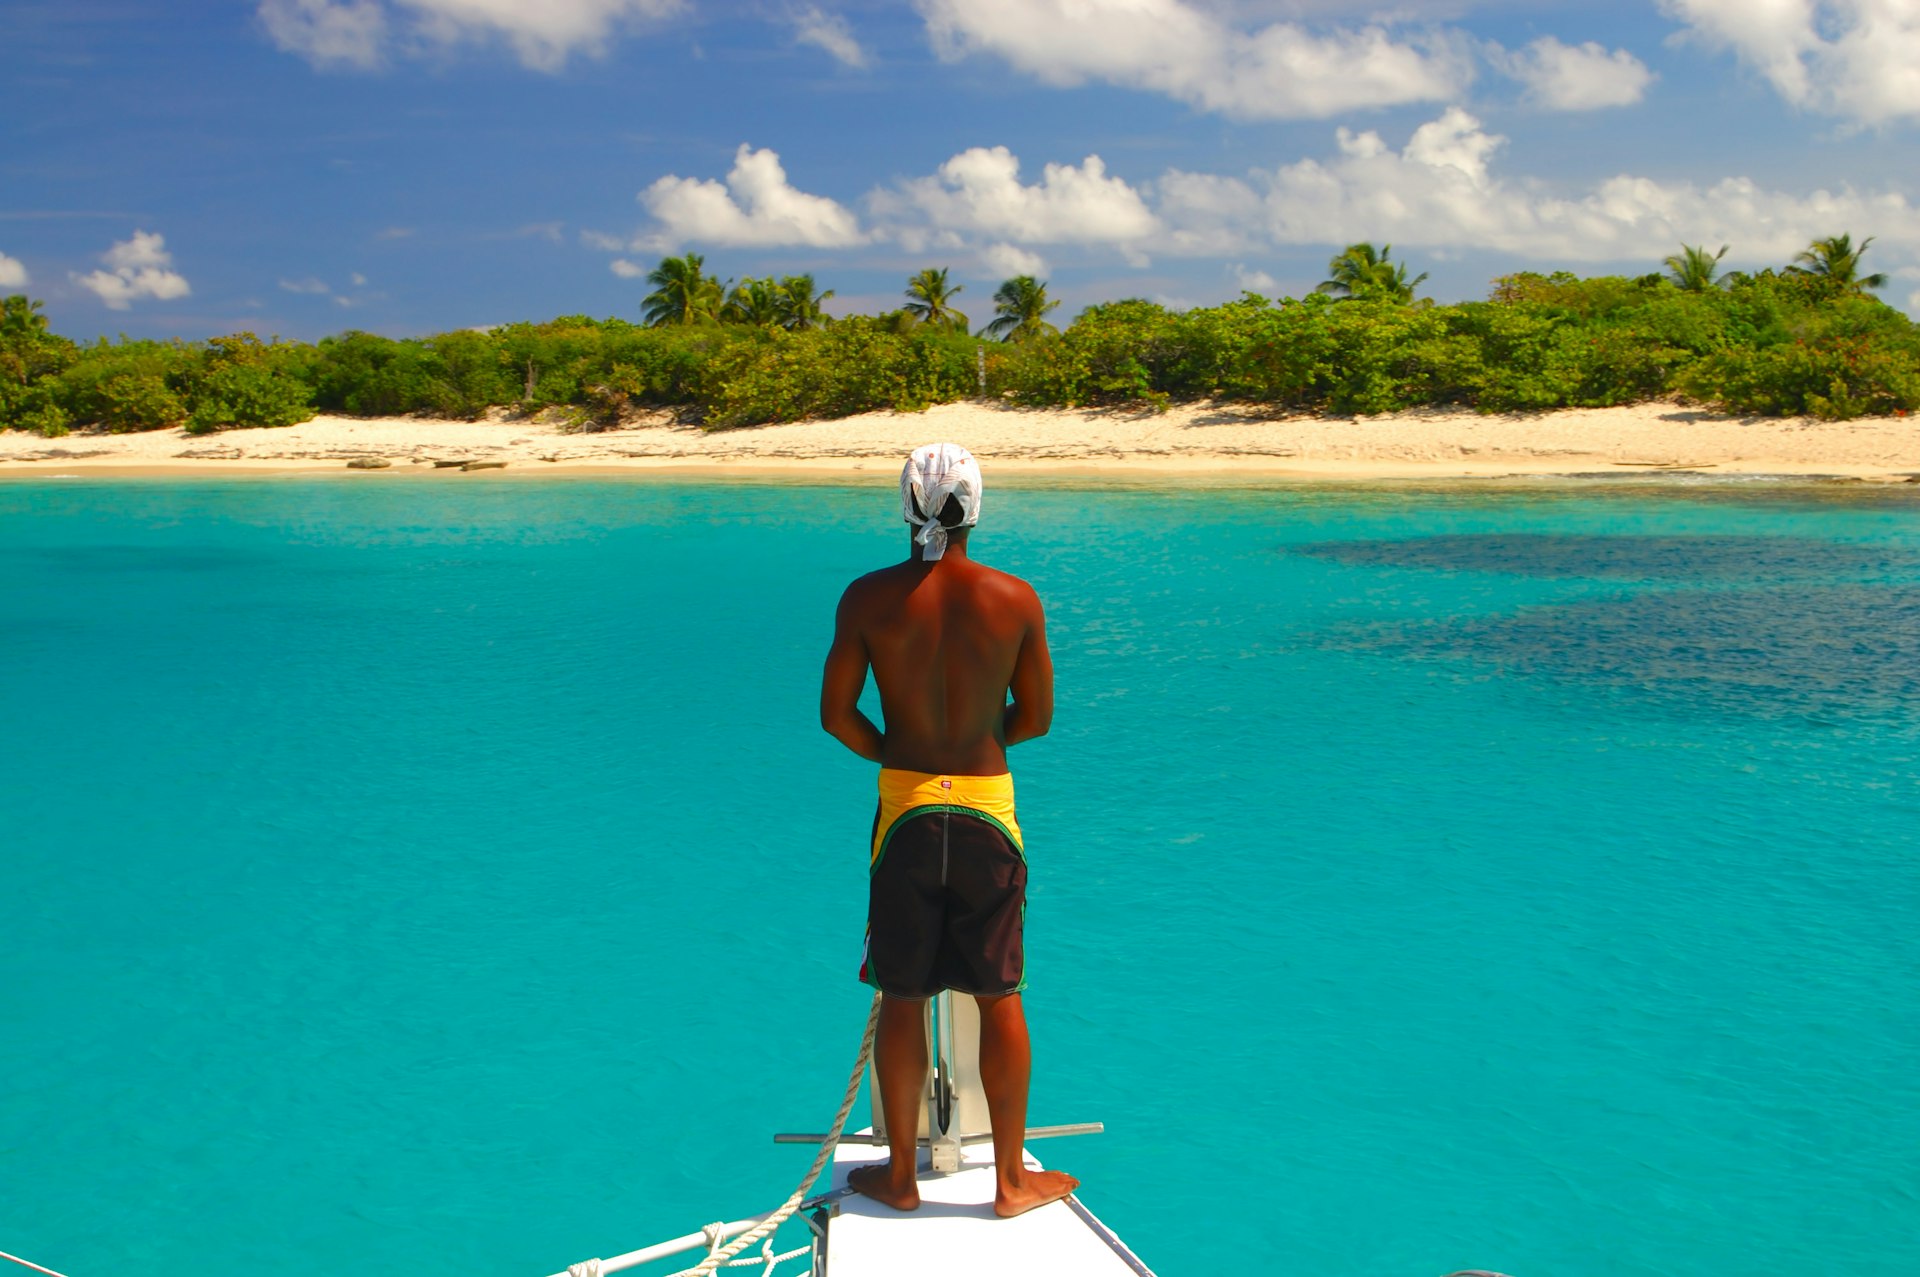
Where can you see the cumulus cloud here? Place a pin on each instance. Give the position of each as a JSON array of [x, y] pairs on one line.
[[1854, 58], [327, 33], [1583, 77], [1008, 260], [1440, 192], [1279, 71], [137, 268], [1253, 281], [754, 207], [979, 193], [13, 272], [332, 33], [829, 31], [626, 269]]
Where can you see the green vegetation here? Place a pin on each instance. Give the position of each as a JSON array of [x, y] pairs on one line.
[[1694, 270], [1808, 338], [1837, 261], [930, 298], [1361, 274], [683, 293], [1020, 307]]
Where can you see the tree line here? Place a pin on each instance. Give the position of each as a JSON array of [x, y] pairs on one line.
[[1807, 338], [684, 294]]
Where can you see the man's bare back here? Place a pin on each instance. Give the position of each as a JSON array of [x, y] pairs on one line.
[[948, 641]]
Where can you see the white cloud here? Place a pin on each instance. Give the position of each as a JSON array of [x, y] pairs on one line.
[[829, 31], [979, 192], [1853, 58], [1254, 281], [543, 35], [755, 207], [138, 267], [1583, 77], [1439, 193], [327, 33], [359, 280], [309, 286], [1279, 71], [1008, 260], [13, 272]]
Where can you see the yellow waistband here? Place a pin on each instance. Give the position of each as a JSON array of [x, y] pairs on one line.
[[902, 792]]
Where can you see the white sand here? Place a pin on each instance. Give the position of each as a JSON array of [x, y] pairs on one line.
[[1217, 440]]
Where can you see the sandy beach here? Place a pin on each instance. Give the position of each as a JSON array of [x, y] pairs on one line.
[[1200, 440]]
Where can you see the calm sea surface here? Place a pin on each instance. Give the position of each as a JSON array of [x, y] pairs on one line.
[[408, 875]]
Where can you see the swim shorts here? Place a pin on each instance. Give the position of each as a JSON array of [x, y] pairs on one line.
[[947, 887]]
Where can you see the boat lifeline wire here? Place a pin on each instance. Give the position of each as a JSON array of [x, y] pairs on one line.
[[595, 1267], [27, 1263]]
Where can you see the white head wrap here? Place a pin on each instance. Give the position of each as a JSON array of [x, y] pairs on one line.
[[935, 472]]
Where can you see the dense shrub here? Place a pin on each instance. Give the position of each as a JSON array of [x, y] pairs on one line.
[[250, 395], [129, 385], [855, 365], [251, 383]]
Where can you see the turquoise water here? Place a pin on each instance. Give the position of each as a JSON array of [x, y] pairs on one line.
[[413, 875]]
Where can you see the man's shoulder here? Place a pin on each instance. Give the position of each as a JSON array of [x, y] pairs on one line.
[[872, 589], [1005, 583]]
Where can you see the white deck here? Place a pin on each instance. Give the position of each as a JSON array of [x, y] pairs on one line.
[[956, 1232]]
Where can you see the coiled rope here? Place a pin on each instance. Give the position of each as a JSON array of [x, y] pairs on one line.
[[765, 1228]]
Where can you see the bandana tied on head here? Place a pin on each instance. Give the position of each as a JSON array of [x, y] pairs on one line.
[[935, 472]]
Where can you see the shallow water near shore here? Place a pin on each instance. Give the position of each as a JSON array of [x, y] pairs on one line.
[[403, 876]]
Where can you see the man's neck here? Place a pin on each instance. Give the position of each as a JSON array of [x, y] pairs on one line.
[[956, 548]]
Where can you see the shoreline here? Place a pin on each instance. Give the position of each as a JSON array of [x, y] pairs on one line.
[[1200, 443]]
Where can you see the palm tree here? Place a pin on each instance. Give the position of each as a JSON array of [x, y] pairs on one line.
[[1837, 261], [1693, 269], [760, 302], [928, 294], [1360, 273], [1020, 307], [802, 303], [683, 293]]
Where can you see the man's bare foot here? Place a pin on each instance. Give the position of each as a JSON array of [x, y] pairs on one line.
[[880, 1183], [1036, 1188]]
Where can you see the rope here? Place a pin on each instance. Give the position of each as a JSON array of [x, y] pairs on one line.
[[766, 1226], [24, 1263]]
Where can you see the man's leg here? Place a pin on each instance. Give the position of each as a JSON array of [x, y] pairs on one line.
[[900, 1071], [1006, 1067]]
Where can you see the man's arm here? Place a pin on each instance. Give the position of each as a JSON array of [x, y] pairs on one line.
[[1031, 712], [841, 683]]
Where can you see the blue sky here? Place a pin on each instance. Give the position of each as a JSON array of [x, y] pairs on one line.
[[300, 167]]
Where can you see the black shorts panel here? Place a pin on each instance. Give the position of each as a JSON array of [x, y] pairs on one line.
[[946, 909]]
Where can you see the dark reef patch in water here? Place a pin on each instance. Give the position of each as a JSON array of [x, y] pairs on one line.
[[1842, 649], [135, 558], [1568, 555]]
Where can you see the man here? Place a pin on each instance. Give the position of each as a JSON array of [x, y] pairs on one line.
[[948, 640]]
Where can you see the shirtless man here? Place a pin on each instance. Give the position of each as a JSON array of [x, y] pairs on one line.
[[948, 640]]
